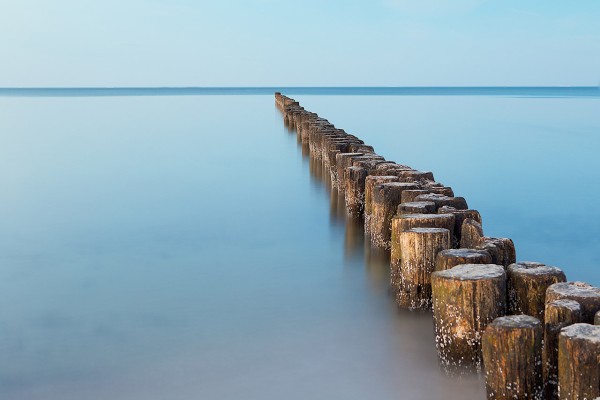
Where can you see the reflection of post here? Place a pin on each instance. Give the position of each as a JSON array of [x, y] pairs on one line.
[[512, 357], [354, 237], [317, 171], [337, 207]]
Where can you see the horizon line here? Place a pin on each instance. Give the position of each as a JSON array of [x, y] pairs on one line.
[[141, 91], [298, 87]]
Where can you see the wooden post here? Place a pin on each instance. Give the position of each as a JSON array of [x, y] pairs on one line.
[[466, 299], [370, 183], [471, 234], [419, 248], [452, 257], [439, 188], [409, 196], [416, 207], [526, 283], [405, 222], [512, 358], [385, 201], [459, 217], [502, 250], [579, 362], [354, 180], [368, 162], [390, 168], [441, 200], [597, 318], [583, 293], [558, 314], [414, 176], [341, 163]]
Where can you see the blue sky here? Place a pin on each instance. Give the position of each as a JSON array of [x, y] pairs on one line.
[[299, 43]]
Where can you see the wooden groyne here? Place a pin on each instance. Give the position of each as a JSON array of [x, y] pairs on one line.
[[529, 329]]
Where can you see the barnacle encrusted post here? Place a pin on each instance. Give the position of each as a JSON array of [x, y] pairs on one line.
[[419, 248], [579, 362], [512, 358], [354, 183], [558, 314], [404, 222], [583, 293], [385, 201], [370, 183], [466, 299], [527, 283]]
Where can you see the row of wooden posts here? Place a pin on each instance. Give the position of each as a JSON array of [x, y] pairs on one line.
[[529, 329]]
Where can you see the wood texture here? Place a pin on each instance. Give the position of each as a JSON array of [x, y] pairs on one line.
[[466, 299], [586, 295], [419, 248], [384, 203], [512, 358], [451, 258], [471, 234], [408, 221], [527, 283], [579, 362], [558, 314]]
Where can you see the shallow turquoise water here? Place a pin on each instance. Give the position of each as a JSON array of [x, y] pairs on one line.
[[179, 247]]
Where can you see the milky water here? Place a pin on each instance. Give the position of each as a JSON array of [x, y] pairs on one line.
[[178, 247]]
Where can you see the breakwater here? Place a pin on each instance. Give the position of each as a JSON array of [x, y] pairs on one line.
[[524, 324]]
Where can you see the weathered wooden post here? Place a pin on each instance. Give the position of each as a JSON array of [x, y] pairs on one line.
[[441, 200], [471, 234], [419, 248], [452, 257], [512, 358], [597, 318], [361, 148], [414, 176], [502, 250], [466, 299], [342, 161], [416, 207], [370, 183], [405, 222], [558, 314], [384, 202], [459, 217], [586, 295], [527, 283], [409, 196], [354, 180], [579, 362]]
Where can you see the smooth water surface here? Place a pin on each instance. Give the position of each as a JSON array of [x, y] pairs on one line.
[[529, 165], [181, 247]]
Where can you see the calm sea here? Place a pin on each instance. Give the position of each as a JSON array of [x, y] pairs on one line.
[[174, 244]]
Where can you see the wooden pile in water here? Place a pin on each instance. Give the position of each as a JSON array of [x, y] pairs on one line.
[[530, 330]]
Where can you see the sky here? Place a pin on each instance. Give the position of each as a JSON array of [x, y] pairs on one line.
[[74, 43]]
